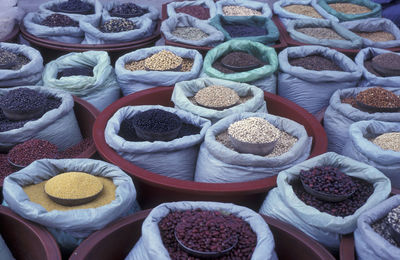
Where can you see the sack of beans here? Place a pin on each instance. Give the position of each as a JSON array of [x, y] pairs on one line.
[[173, 156], [37, 112], [323, 32], [242, 53], [115, 9], [288, 10], [344, 111], [371, 77], [309, 75], [116, 30], [377, 144], [26, 65], [33, 194], [349, 10], [88, 75], [200, 9], [244, 97], [189, 30], [299, 200], [253, 28], [254, 238], [54, 27], [156, 66], [223, 160], [78, 9], [375, 32], [243, 8], [373, 237]]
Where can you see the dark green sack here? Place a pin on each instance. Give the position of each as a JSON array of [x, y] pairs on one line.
[[375, 9], [272, 31]]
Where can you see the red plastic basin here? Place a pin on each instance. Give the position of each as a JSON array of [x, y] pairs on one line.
[[25, 239], [154, 189], [117, 240]]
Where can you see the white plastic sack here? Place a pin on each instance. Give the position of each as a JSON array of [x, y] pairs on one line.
[[93, 35], [369, 244], [338, 117], [134, 81], [373, 25], [361, 149], [150, 245], [218, 164], [255, 5], [100, 90], [312, 89], [175, 159], [8, 15], [69, 227], [283, 204], [185, 89], [181, 20], [47, 8], [58, 126], [152, 13], [29, 74], [205, 3], [370, 79], [32, 23], [351, 40]]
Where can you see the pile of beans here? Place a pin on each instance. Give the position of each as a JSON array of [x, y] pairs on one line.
[[35, 149], [242, 30], [128, 9], [320, 33], [351, 101], [306, 10], [204, 233], [76, 150], [389, 64], [197, 11], [238, 59], [255, 130], [75, 6], [22, 100], [59, 20], [378, 36], [215, 97], [236, 10], [189, 33], [315, 62], [342, 208], [17, 60], [382, 228], [187, 65], [163, 61], [117, 25], [388, 141], [328, 180], [378, 97], [349, 8], [75, 71], [282, 146], [156, 121]]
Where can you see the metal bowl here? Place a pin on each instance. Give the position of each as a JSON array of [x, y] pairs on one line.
[[372, 109], [253, 148], [74, 202]]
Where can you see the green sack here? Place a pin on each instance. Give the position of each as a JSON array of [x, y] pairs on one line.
[[375, 9], [264, 75], [272, 31]]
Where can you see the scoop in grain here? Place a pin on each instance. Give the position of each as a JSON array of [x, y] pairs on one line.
[[216, 97], [254, 130]]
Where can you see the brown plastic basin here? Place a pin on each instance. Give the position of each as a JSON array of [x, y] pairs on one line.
[[154, 189], [116, 240], [26, 240]]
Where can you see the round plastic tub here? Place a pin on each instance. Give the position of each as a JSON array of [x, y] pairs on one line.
[[154, 189], [51, 50], [117, 240], [25, 239], [13, 35]]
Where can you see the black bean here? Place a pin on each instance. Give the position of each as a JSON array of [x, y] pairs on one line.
[[59, 20], [75, 6], [157, 120], [128, 9], [242, 30], [22, 100]]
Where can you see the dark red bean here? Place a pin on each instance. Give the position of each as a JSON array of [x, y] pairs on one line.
[[197, 11], [32, 150], [76, 150]]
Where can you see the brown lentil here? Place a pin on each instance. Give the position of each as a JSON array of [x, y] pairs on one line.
[[254, 130], [382, 228], [378, 36], [378, 97], [117, 25], [349, 8], [306, 10], [388, 141], [320, 33], [163, 61], [216, 97], [315, 62], [37, 195], [351, 101], [284, 144], [73, 185], [189, 33], [235, 10]]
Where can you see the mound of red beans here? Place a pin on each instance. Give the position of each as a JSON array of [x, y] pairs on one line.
[[198, 11], [205, 235]]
